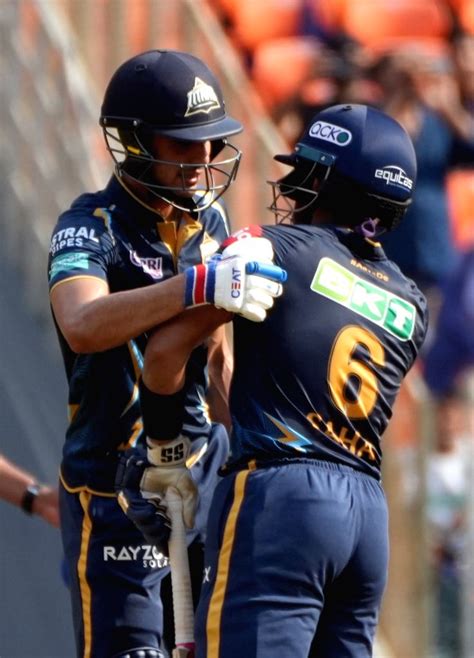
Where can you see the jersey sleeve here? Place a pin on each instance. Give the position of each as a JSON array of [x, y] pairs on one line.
[[81, 246]]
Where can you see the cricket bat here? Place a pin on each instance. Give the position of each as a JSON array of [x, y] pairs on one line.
[[183, 610]]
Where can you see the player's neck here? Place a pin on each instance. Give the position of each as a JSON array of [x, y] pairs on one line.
[[145, 197]]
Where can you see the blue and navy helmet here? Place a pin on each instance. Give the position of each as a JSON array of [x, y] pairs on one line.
[[354, 161], [173, 94]]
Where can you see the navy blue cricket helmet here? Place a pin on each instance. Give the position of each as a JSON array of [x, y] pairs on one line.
[[354, 161], [173, 94]]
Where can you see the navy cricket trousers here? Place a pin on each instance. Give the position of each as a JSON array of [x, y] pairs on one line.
[[295, 563], [116, 578]]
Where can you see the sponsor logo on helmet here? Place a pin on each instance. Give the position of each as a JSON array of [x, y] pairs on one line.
[[152, 266], [393, 175], [201, 98], [331, 133]]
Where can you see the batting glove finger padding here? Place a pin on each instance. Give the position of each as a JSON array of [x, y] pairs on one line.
[[148, 515]]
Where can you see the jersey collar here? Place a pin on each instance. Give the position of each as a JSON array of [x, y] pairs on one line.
[[360, 246], [130, 205]]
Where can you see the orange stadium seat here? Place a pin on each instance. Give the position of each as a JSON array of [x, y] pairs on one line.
[[461, 199], [281, 66], [466, 16], [373, 23], [256, 21], [464, 11], [227, 7]]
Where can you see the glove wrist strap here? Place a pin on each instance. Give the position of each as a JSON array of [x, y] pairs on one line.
[[200, 284]]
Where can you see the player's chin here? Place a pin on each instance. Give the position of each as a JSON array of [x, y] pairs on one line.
[[191, 182], [190, 188]]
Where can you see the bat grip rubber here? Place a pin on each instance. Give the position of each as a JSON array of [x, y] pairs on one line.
[[180, 577], [270, 271]]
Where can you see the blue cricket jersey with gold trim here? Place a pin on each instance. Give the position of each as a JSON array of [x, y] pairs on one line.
[[361, 320], [111, 236]]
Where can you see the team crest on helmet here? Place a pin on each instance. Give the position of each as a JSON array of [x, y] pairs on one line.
[[201, 98]]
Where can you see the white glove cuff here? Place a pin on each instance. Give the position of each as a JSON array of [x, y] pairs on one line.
[[172, 453], [258, 249]]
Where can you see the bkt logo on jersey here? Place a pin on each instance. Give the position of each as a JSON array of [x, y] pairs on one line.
[[394, 175], [151, 266], [331, 133], [380, 306], [201, 98]]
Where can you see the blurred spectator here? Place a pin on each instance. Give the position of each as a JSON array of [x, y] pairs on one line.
[[451, 353], [20, 488], [336, 77], [421, 92], [447, 480], [463, 57], [448, 371]]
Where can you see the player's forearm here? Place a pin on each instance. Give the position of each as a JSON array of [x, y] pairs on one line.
[[220, 364], [170, 346], [111, 320]]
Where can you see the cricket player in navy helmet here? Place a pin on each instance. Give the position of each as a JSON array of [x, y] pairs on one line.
[[121, 261], [297, 543]]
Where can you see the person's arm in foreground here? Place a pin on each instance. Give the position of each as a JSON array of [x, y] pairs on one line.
[[21, 489]]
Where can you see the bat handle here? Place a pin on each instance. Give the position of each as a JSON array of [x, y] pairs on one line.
[[268, 270], [180, 577]]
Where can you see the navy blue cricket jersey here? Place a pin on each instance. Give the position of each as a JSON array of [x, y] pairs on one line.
[[320, 376], [112, 236]]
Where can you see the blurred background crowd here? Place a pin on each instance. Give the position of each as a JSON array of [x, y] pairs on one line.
[[280, 61]]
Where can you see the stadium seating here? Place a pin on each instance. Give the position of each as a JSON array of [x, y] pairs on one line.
[[461, 199], [372, 23], [253, 22], [281, 66]]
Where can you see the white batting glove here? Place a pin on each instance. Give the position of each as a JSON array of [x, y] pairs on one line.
[[170, 470], [251, 248], [245, 284]]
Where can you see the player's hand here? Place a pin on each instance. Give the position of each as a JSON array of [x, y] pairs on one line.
[[148, 514], [241, 280], [168, 469], [46, 504]]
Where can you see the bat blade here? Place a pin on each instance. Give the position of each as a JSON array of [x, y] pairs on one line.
[[182, 652]]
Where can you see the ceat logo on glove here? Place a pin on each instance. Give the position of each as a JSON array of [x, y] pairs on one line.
[[236, 285]]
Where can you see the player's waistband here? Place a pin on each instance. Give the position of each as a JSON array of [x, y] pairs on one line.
[[256, 464]]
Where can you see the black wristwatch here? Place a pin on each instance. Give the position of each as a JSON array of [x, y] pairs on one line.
[[28, 499]]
